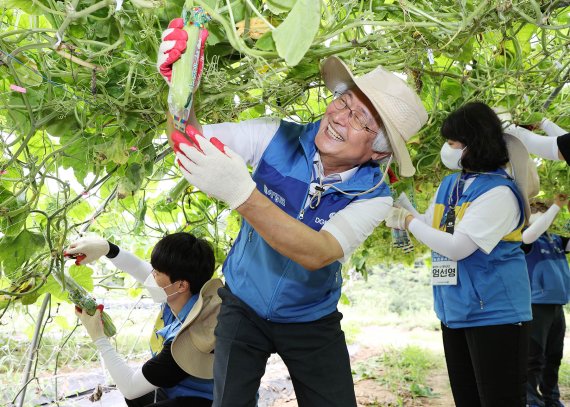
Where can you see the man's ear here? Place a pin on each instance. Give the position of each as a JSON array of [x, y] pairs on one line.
[[378, 156], [184, 286]]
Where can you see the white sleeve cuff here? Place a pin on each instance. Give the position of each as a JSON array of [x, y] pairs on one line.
[[552, 129], [353, 224], [541, 225], [128, 262], [404, 202]]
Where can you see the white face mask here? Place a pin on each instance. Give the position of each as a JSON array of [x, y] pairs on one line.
[[451, 157], [534, 217], [157, 293]]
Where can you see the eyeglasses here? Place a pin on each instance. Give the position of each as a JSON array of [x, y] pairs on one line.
[[356, 119]]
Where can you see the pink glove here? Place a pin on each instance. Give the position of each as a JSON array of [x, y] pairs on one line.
[[190, 138], [172, 46], [215, 169]]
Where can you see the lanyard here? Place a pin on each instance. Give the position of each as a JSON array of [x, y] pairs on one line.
[[448, 218]]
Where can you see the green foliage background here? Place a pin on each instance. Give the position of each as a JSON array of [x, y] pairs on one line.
[[85, 147]]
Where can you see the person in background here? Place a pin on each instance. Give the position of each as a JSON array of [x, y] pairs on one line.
[[479, 277], [179, 276], [317, 192], [550, 289]]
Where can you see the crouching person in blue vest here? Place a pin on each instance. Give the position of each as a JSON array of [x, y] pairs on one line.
[[179, 276], [480, 283], [317, 192], [550, 288]]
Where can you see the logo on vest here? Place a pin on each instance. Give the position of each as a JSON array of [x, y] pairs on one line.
[[274, 196], [321, 221], [544, 251]]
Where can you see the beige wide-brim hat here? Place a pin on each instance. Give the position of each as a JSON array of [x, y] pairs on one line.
[[523, 170], [193, 345], [399, 107]]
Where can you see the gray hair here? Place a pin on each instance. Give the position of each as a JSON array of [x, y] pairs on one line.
[[381, 143]]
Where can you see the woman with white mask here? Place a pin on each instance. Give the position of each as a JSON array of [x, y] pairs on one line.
[[179, 277], [480, 283]]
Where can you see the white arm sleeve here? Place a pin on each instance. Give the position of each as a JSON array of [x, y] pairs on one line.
[[552, 129], [128, 262], [405, 203], [455, 246], [353, 224], [545, 147], [541, 225], [130, 382], [248, 138]]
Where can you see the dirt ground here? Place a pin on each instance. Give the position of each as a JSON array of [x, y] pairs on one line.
[[277, 391], [371, 392], [371, 342]]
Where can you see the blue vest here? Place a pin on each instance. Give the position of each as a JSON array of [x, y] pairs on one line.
[[190, 386], [277, 288], [548, 271], [492, 289]]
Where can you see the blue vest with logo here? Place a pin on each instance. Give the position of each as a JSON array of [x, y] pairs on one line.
[[548, 271], [277, 288], [190, 386], [492, 289]]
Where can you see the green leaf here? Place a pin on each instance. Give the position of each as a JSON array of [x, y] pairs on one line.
[[30, 7], [82, 276], [52, 286], [303, 71], [30, 298], [114, 151], [280, 6], [15, 251], [131, 182], [265, 42], [12, 224], [294, 36]]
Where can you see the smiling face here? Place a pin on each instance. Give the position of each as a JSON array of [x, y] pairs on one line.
[[342, 147]]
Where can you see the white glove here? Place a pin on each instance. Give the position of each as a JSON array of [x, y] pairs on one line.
[[403, 202], [222, 175], [396, 218], [90, 246], [93, 324]]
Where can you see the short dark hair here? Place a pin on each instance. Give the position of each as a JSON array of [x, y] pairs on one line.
[[182, 256], [477, 127]]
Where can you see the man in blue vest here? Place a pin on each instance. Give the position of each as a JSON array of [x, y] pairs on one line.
[[550, 283], [316, 193]]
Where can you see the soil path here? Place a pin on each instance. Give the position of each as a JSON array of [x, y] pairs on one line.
[[277, 390]]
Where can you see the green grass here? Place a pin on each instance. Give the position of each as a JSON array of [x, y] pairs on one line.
[[403, 371], [400, 296]]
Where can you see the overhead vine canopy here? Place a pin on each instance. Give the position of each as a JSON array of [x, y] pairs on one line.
[[83, 107]]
